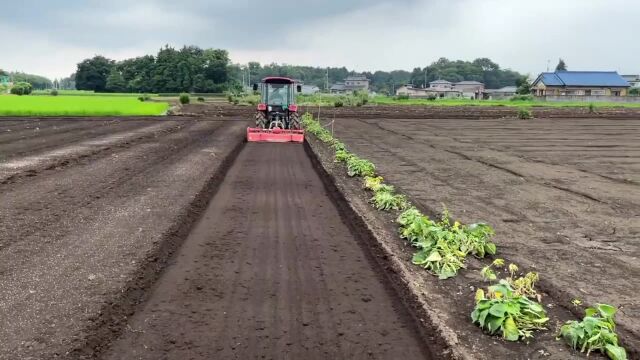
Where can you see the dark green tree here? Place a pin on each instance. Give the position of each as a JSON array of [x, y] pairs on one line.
[[92, 73], [561, 66], [524, 85], [115, 82]]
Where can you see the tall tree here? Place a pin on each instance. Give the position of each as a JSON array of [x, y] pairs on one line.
[[524, 85], [92, 73], [115, 82], [561, 66]]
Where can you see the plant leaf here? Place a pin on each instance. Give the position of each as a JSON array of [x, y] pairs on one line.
[[607, 311], [510, 330], [615, 352]]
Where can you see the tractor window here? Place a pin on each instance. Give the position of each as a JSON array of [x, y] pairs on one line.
[[278, 94]]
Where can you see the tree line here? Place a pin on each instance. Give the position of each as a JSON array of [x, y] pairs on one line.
[[189, 69], [483, 70], [37, 82], [196, 70]]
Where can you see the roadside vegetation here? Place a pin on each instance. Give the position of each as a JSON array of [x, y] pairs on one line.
[[64, 105], [511, 307]]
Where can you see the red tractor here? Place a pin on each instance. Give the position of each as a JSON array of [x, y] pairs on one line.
[[277, 117]]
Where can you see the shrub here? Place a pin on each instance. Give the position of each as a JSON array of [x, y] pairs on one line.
[[432, 97], [592, 108], [21, 88], [402, 97], [184, 98], [200, 99], [54, 92], [524, 114], [338, 103]]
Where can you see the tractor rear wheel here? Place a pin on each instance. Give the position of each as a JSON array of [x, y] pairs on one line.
[[261, 120], [294, 121]]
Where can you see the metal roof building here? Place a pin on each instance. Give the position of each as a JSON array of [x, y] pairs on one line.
[[608, 83]]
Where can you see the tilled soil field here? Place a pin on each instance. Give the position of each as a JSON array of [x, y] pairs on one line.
[[93, 211], [85, 211], [171, 238], [272, 272], [562, 194]]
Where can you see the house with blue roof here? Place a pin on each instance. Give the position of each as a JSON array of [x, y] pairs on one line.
[[580, 83]]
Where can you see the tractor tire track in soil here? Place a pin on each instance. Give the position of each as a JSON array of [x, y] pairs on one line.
[[272, 271]]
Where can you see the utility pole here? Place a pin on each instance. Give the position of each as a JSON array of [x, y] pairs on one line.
[[326, 84], [425, 78]]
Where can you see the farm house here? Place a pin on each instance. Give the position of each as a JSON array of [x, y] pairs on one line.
[[580, 83]]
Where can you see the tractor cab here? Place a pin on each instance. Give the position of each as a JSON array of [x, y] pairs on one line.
[[277, 117]]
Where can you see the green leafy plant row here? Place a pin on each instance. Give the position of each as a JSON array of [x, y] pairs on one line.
[[443, 246]]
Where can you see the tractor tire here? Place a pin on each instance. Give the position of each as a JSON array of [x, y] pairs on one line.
[[294, 121], [261, 120]]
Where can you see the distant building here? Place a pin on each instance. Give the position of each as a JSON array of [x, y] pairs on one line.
[[441, 84], [310, 89], [633, 80], [439, 92], [445, 89], [502, 93], [580, 83], [470, 89], [351, 84], [4, 80]]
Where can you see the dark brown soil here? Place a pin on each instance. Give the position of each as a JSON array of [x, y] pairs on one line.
[[563, 195], [78, 226], [271, 271], [93, 210], [469, 112]]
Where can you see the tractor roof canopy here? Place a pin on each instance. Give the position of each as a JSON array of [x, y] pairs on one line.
[[277, 80]]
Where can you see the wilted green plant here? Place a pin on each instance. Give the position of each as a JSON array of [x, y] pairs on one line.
[[596, 332], [360, 167], [503, 311], [342, 155], [337, 145], [372, 182], [443, 246], [385, 199]]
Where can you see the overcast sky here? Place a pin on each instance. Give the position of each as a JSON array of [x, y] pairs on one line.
[[51, 37]]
